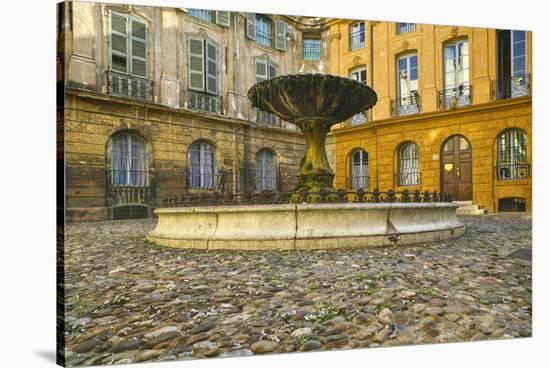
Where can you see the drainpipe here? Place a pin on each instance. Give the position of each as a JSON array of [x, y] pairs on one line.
[[371, 57]]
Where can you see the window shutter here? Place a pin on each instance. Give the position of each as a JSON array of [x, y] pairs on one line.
[[211, 68], [260, 70], [195, 51], [280, 35], [139, 48], [251, 25], [222, 18], [119, 54], [272, 70]]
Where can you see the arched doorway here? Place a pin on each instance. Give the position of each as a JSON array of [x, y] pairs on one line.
[[456, 168]]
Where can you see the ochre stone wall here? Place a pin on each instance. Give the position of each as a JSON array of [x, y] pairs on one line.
[[480, 124], [91, 119]]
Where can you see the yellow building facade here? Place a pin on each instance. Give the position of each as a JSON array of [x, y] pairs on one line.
[[453, 114]]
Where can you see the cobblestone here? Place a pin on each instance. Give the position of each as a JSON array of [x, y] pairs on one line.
[[128, 300]]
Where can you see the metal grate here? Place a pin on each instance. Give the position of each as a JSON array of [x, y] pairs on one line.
[[516, 86], [311, 49], [405, 105], [201, 101], [125, 85], [405, 28], [511, 204], [455, 97]]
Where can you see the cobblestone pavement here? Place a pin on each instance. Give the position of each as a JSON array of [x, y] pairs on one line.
[[128, 300]]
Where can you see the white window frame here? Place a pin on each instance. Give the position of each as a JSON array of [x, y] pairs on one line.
[[206, 175], [129, 38], [266, 177], [127, 160], [458, 61], [361, 44], [359, 172], [355, 74], [409, 174]]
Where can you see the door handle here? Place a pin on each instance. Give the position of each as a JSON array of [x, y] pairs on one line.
[[457, 172]]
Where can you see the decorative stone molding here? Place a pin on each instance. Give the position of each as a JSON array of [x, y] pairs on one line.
[[405, 45], [335, 36], [356, 60], [454, 31]]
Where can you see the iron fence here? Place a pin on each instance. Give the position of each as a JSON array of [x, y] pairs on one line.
[[126, 85], [512, 87], [201, 101], [304, 196], [405, 105], [451, 98]]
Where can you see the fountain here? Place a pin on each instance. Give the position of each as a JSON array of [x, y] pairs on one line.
[[314, 102]]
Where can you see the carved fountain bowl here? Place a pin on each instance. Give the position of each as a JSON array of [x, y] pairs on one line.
[[312, 96]]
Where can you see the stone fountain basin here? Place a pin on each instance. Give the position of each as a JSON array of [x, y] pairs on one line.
[[305, 226]]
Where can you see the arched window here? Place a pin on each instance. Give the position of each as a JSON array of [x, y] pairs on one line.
[[409, 173], [266, 170], [511, 155], [201, 165], [129, 163], [359, 169]]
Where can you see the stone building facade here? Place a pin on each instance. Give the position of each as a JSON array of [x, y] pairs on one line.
[[152, 104], [453, 114]]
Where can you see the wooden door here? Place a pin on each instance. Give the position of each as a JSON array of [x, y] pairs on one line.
[[456, 168]]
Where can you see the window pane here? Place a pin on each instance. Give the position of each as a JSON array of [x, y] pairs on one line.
[[139, 29], [138, 49], [119, 63], [118, 23], [118, 43], [139, 67]]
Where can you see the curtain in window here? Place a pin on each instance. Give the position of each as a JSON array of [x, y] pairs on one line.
[[512, 155], [266, 172], [129, 164], [408, 164], [359, 170], [201, 173]]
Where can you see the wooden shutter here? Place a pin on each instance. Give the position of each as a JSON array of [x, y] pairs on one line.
[[195, 63], [139, 47], [222, 18], [251, 26], [211, 67], [260, 70], [271, 71], [280, 35], [119, 43]]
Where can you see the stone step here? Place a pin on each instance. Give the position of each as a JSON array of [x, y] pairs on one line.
[[468, 209]]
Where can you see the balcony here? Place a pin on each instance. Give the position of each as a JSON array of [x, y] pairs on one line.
[[239, 107], [125, 85], [455, 97], [356, 40], [512, 87], [406, 105], [200, 101]]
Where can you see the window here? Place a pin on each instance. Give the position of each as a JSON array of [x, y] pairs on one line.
[[266, 170], [264, 69], [512, 155], [264, 31], [260, 28], [359, 169], [357, 36], [203, 65], [203, 14], [360, 75], [512, 79], [129, 163], [407, 84], [311, 49], [409, 173], [456, 74], [128, 44], [201, 158], [405, 28]]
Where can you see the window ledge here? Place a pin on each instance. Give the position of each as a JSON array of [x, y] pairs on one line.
[[511, 182]]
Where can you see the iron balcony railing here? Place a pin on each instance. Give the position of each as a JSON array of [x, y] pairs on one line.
[[405, 105], [451, 98], [129, 187], [200, 101], [405, 28], [312, 50], [358, 182], [126, 85], [356, 40], [507, 171], [304, 196], [239, 107], [512, 87], [408, 178]]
